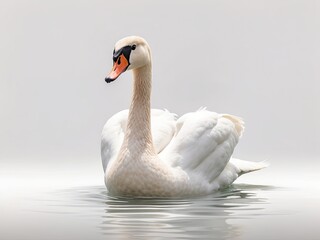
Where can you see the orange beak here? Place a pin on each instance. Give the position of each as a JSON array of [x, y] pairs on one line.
[[119, 67]]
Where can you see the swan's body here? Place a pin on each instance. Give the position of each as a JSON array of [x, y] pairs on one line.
[[151, 153]]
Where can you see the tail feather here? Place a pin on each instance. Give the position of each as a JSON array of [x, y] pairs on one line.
[[246, 166]]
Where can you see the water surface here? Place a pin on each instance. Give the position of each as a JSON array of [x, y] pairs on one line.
[[241, 211]]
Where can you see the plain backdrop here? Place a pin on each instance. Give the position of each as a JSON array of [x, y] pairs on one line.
[[255, 59]]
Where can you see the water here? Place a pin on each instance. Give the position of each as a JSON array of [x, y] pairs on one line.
[[243, 211]]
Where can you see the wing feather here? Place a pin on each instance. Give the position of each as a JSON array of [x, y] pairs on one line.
[[112, 137], [203, 144]]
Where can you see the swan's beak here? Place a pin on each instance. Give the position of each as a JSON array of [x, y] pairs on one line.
[[119, 66]]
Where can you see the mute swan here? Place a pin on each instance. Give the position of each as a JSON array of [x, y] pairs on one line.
[[150, 153]]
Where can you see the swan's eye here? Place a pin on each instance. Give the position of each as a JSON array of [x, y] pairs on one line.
[[133, 47]]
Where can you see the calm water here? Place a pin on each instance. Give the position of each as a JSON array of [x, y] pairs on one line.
[[239, 212]]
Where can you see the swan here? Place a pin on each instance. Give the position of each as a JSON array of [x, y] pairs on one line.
[[151, 153]]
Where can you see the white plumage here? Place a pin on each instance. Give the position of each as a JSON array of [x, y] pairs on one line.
[[152, 153]]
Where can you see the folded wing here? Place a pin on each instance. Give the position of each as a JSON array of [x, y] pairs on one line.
[[203, 144]]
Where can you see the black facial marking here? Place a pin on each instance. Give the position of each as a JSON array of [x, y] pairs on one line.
[[125, 51], [133, 47], [116, 55], [119, 60]]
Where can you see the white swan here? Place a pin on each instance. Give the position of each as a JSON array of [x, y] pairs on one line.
[[150, 153]]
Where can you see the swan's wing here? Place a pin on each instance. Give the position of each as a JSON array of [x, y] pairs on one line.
[[163, 125], [112, 137], [203, 144]]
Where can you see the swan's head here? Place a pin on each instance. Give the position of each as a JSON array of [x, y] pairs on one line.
[[129, 53]]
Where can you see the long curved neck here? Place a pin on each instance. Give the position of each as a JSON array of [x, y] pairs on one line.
[[138, 133]]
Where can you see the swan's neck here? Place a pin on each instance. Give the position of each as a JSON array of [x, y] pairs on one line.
[[138, 133]]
